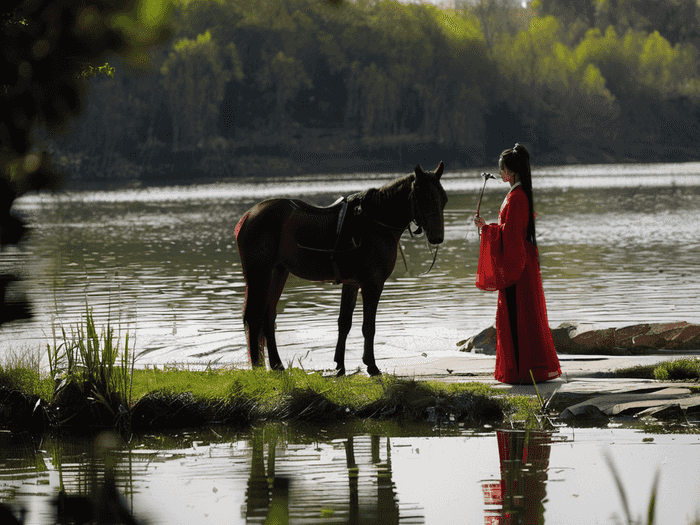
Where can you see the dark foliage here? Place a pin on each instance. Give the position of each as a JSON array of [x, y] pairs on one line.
[[48, 48]]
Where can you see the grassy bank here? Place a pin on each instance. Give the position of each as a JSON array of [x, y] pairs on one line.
[[179, 398], [93, 383], [686, 369]]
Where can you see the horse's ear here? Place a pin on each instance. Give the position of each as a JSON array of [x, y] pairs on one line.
[[439, 170], [419, 171]]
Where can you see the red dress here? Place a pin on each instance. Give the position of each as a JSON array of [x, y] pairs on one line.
[[509, 263]]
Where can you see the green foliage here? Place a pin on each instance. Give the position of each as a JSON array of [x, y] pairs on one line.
[[49, 47], [93, 71], [195, 79], [679, 369], [94, 362], [392, 74]]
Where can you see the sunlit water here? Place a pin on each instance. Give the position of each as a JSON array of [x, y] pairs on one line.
[[341, 475], [618, 244]]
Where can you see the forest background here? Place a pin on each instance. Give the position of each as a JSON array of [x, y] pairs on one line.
[[250, 87]]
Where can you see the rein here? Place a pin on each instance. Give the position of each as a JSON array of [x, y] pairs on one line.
[[418, 218]]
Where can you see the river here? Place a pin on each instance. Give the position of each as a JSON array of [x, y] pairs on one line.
[[618, 244]]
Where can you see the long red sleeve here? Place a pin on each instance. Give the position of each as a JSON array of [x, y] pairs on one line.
[[504, 250]]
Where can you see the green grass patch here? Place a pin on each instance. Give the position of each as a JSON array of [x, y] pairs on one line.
[[685, 369], [92, 382], [636, 372], [680, 369], [177, 397], [247, 396], [21, 370]]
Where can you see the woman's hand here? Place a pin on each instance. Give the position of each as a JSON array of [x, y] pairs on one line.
[[480, 223]]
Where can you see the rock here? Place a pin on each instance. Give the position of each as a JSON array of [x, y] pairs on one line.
[[646, 341], [665, 403], [596, 340], [624, 337], [572, 338], [482, 343], [581, 413], [563, 339], [671, 411], [688, 338]]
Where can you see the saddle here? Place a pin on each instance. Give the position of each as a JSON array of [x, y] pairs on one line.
[[347, 209]]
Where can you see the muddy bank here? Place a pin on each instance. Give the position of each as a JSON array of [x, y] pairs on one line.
[[573, 338]]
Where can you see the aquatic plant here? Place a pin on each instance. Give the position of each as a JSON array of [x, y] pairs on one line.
[[88, 365]]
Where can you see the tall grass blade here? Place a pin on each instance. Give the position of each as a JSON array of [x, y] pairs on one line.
[[652, 499], [619, 485]]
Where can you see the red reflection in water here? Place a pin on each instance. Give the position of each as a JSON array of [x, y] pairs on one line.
[[518, 497]]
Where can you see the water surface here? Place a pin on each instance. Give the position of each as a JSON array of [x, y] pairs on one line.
[[618, 244], [388, 476]]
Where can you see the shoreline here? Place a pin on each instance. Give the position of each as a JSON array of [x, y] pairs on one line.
[[201, 166]]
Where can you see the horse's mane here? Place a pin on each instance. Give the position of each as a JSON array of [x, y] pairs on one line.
[[375, 197]]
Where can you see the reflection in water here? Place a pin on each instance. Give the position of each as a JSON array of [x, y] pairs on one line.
[[270, 494], [518, 498], [394, 475]]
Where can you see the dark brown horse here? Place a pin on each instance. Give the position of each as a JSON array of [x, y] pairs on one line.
[[353, 242]]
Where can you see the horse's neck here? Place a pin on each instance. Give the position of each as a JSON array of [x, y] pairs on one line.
[[395, 210]]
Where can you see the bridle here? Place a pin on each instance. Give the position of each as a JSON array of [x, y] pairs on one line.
[[420, 219]]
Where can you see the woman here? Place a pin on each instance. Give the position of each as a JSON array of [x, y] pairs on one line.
[[509, 263]]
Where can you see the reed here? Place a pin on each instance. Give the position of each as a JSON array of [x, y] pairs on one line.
[[93, 361]]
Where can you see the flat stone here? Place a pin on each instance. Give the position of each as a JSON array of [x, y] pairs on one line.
[[630, 403]]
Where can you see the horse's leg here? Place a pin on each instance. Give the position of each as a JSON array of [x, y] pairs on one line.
[[256, 296], [370, 301], [279, 278], [348, 299]]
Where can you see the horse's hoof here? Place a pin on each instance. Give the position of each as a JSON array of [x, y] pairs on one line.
[[340, 372], [279, 367], [373, 371]]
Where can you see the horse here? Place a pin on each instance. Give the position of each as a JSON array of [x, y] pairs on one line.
[[352, 242]]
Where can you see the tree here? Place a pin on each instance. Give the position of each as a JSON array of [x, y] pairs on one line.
[[495, 17], [47, 46], [194, 79]]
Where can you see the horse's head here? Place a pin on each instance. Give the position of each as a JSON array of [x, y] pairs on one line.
[[429, 200]]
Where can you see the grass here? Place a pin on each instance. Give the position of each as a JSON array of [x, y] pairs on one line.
[[175, 397], [651, 509], [92, 365], [21, 370], [248, 396], [685, 369], [92, 381]]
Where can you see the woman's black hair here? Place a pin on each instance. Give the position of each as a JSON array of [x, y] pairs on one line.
[[517, 160]]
